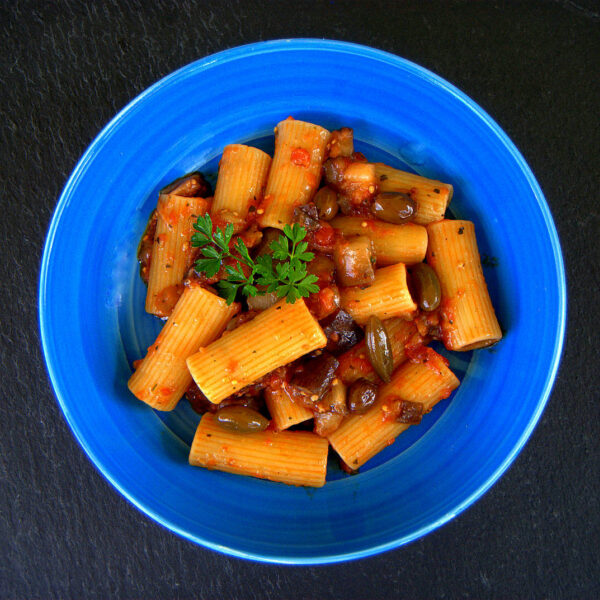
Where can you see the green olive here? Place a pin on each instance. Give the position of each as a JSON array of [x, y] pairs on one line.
[[241, 419], [326, 202], [394, 207], [426, 286], [379, 349], [361, 396]]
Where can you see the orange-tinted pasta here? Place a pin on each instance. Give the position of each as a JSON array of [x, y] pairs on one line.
[[295, 171], [432, 196], [283, 410], [467, 316], [261, 379], [293, 457], [272, 339], [406, 243], [162, 376], [386, 297], [172, 250], [360, 437], [243, 172]]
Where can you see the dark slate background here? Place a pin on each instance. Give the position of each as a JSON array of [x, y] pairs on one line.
[[67, 68]]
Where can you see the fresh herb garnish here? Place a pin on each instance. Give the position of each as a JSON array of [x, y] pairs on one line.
[[283, 272]]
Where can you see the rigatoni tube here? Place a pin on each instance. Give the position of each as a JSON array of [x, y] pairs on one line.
[[405, 243], [386, 297], [275, 337], [243, 173], [361, 437], [432, 196], [172, 250], [283, 410], [162, 377], [468, 319], [292, 457], [295, 171]]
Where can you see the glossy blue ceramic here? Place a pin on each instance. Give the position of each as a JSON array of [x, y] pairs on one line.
[[93, 322]]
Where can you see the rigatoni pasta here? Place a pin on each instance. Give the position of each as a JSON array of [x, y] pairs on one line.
[[303, 310], [468, 317], [295, 170], [172, 250], [243, 172], [283, 410], [360, 437], [162, 376], [432, 196], [295, 458], [277, 336], [388, 296], [405, 243]]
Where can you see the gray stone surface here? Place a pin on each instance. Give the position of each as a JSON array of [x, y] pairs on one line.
[[66, 68]]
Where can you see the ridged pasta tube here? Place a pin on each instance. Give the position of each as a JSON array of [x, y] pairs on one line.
[[386, 297], [275, 337], [243, 173], [360, 437], [292, 457], [295, 171], [432, 196], [467, 316], [162, 377]]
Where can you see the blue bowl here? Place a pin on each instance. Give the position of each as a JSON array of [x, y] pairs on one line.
[[93, 322]]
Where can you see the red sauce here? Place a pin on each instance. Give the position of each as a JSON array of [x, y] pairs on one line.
[[324, 302], [166, 300], [300, 157], [324, 237], [354, 364], [427, 356], [448, 317]]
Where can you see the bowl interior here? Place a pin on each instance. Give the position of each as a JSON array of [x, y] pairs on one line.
[[93, 322]]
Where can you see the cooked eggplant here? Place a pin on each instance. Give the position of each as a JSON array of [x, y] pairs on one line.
[[314, 377], [354, 259], [342, 332], [192, 185]]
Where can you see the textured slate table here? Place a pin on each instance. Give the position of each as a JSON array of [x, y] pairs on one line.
[[67, 69]]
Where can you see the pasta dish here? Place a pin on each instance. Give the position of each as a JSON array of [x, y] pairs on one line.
[[300, 300]]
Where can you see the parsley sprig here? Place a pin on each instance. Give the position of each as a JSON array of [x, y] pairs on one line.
[[284, 272]]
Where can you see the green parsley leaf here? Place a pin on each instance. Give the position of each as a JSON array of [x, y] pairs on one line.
[[284, 272], [209, 266]]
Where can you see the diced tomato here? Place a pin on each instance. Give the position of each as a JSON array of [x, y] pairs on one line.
[[324, 237], [300, 157]]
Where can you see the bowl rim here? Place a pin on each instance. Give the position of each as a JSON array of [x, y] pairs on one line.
[[268, 47]]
